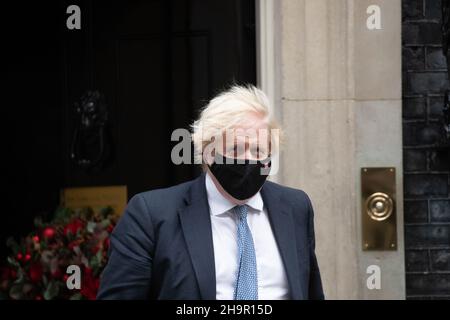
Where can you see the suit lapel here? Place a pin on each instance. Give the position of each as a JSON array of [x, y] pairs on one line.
[[196, 225], [282, 223]]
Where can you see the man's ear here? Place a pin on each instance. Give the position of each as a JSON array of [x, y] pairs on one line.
[[209, 153]]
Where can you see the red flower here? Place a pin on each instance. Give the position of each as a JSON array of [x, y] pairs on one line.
[[19, 256], [27, 257], [73, 244], [106, 243], [73, 227], [36, 239], [110, 228], [57, 273], [35, 272], [95, 248], [89, 285], [49, 232]]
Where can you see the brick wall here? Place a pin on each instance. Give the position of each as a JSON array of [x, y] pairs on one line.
[[426, 168]]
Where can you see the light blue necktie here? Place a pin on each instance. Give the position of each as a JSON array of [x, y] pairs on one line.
[[246, 287]]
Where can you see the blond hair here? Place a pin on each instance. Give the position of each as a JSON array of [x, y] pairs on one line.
[[226, 110]]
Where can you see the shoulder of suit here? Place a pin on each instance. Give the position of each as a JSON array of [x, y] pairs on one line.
[[167, 194], [297, 199], [158, 203], [287, 191]]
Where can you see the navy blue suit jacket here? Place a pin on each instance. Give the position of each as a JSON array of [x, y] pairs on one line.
[[162, 247]]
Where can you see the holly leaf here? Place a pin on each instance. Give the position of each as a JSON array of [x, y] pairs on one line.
[[20, 276], [63, 214], [99, 254], [76, 296], [86, 213], [105, 212], [94, 263], [44, 245], [91, 226], [16, 292], [13, 262], [105, 223], [27, 287], [12, 244], [38, 222], [51, 291], [44, 280]]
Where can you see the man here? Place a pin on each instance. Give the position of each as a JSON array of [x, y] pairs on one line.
[[229, 234]]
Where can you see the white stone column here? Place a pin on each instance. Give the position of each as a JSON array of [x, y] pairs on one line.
[[340, 104]]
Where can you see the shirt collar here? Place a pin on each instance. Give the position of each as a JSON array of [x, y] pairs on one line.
[[218, 204]]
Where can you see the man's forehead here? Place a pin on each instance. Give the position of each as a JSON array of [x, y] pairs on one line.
[[248, 132], [261, 139]]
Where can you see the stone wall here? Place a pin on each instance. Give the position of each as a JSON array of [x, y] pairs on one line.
[[340, 104]]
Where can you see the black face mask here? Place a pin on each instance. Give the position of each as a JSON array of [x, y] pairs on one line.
[[241, 180]]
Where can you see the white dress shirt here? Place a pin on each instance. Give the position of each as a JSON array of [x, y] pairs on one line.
[[272, 281]]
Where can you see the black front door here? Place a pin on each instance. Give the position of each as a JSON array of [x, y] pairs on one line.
[[156, 64]]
